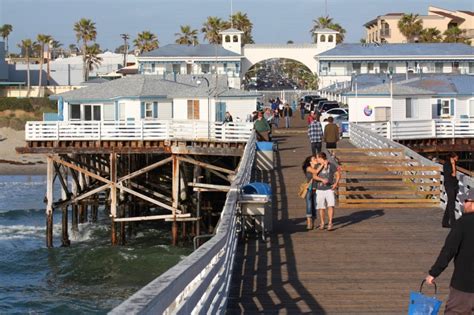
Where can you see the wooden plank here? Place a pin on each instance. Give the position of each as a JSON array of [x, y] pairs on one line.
[[388, 205], [389, 192], [399, 200], [223, 188], [152, 217], [364, 150], [145, 169], [206, 165], [79, 169], [371, 158], [180, 219], [150, 200], [391, 168], [350, 175], [388, 184]]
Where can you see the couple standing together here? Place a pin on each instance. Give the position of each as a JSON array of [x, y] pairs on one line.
[[323, 177]]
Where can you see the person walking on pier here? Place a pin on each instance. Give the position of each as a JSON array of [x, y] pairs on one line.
[[311, 168], [326, 196], [459, 245], [315, 134], [287, 113], [331, 134], [302, 109], [451, 186], [262, 128]]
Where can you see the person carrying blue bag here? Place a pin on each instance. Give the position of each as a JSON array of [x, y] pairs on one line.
[[460, 246]]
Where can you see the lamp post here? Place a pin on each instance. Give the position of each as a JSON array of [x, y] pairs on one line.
[[199, 82]]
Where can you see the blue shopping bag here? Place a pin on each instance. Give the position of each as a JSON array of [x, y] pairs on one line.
[[421, 304]]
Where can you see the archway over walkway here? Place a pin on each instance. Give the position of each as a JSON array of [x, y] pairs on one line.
[[255, 53]]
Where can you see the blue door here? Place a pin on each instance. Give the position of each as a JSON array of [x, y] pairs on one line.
[[220, 111]]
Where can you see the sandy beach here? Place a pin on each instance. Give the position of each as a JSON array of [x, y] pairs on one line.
[[12, 163]]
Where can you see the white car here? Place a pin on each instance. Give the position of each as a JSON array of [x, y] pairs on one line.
[[333, 112]]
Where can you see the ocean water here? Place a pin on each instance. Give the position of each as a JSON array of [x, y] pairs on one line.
[[90, 277]]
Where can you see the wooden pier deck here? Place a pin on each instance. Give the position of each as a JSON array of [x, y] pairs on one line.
[[367, 265]]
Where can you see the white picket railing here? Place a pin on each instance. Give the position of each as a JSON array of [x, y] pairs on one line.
[[364, 137], [199, 284], [137, 130], [423, 129]]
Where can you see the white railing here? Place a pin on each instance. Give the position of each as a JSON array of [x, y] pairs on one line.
[[137, 130], [364, 137], [423, 129], [200, 283]]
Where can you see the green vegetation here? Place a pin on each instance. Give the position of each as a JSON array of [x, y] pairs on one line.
[[85, 30], [213, 25], [15, 112], [187, 36], [5, 31], [410, 26], [146, 41]]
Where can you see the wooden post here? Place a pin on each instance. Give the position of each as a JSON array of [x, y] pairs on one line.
[[175, 195], [49, 200], [113, 195], [64, 195], [75, 208]]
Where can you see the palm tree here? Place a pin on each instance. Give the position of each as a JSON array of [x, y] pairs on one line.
[[455, 35], [211, 29], [411, 26], [430, 35], [5, 31], [241, 22], [85, 31], [92, 58], [146, 41], [342, 32], [26, 46], [187, 36], [44, 41]]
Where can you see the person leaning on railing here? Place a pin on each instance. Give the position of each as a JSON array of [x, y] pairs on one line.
[[262, 128]]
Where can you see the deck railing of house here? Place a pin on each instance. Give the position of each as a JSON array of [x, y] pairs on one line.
[[423, 129], [364, 137], [137, 130], [199, 284]]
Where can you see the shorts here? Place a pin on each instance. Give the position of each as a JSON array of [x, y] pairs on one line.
[[325, 198]]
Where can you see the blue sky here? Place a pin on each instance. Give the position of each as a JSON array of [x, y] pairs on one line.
[[275, 21]]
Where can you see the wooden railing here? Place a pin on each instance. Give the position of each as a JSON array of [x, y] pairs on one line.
[[364, 137], [137, 130], [423, 129], [200, 283]]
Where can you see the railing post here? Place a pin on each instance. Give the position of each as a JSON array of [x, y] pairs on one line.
[[141, 129], [433, 128], [453, 125], [389, 130], [100, 130], [57, 130]]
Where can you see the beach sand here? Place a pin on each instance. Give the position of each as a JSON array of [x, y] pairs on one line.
[[12, 163]]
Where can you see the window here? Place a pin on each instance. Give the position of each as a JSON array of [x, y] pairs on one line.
[[148, 110], [92, 112], [322, 38], [193, 109], [356, 67], [189, 69], [235, 39], [330, 38], [446, 107], [370, 66], [383, 67], [408, 108], [176, 68], [75, 112], [109, 111], [471, 67], [227, 39], [121, 111], [205, 68], [438, 67], [146, 67], [456, 67]]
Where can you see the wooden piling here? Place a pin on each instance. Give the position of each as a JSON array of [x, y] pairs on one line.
[[49, 200], [113, 196], [64, 195], [175, 196]]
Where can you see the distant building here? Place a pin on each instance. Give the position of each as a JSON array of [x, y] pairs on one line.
[[3, 64], [147, 97], [418, 98], [68, 71], [345, 61], [384, 28]]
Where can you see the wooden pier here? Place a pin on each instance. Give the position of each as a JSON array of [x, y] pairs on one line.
[[137, 171], [367, 265]]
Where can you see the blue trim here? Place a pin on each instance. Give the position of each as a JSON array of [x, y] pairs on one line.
[[116, 110], [451, 107], [118, 98], [142, 110], [155, 109]]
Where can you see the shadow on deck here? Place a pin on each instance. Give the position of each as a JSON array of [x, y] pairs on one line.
[[368, 264]]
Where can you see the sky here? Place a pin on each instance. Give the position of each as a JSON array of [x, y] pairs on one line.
[[274, 21]]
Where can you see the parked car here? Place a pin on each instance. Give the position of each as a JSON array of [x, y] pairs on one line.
[[327, 105], [334, 113], [308, 100]]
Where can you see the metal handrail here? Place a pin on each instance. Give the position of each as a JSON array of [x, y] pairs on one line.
[[200, 282]]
